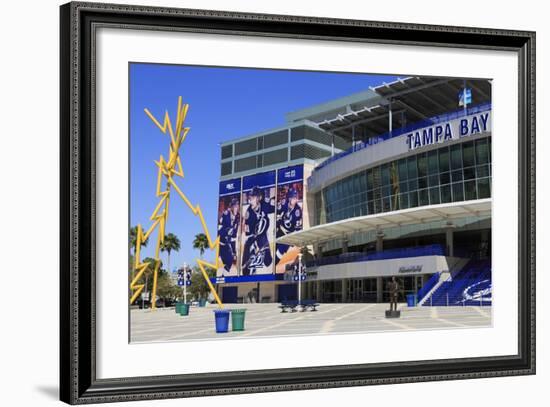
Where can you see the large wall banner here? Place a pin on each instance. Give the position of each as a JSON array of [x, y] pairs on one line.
[[258, 224], [290, 194], [229, 223]]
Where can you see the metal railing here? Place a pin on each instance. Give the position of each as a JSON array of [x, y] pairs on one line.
[[406, 129]]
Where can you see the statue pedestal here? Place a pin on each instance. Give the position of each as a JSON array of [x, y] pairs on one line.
[[393, 314]]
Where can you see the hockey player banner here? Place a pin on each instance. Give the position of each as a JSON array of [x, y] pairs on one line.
[[229, 222], [258, 224], [290, 193]]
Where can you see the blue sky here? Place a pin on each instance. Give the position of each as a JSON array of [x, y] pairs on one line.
[[224, 103]]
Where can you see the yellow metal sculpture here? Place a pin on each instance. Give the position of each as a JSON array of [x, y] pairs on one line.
[[167, 170]]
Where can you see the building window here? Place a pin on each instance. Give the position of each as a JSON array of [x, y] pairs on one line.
[[455, 174], [227, 168], [245, 164], [275, 157], [275, 139], [227, 151], [246, 146]]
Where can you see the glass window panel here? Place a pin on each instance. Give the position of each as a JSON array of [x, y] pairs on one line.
[[362, 182], [433, 180], [446, 194], [444, 178], [404, 201], [370, 195], [469, 173], [376, 177], [413, 185], [423, 198], [377, 205], [411, 165], [370, 207], [422, 165], [458, 192], [482, 171], [413, 199], [482, 151], [443, 159], [456, 157], [370, 182], [385, 175], [433, 164], [468, 154], [434, 196], [386, 204], [456, 175], [403, 186], [484, 188], [470, 191], [402, 169], [422, 182]]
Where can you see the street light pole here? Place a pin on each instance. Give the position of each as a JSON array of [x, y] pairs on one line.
[[185, 283], [300, 279]]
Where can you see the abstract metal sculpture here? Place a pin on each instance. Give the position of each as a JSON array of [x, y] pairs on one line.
[[167, 170]]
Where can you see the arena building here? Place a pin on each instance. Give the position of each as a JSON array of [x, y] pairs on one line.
[[394, 181]]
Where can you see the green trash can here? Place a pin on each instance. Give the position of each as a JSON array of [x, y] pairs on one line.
[[237, 319], [178, 307], [202, 302], [184, 309]]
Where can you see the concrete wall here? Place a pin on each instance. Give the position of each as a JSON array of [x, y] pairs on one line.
[[386, 268]]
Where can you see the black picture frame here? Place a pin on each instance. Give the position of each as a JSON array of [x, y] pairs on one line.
[[78, 382]]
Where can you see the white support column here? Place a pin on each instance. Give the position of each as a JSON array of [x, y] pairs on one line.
[[318, 291], [379, 240], [390, 118], [449, 238], [345, 242], [344, 290], [379, 289]]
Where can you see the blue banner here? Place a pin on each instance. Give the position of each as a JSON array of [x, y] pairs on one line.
[[290, 201], [230, 187], [290, 174], [229, 226], [263, 180], [258, 224]]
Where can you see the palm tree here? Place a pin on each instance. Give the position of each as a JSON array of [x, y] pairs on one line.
[[149, 270], [133, 238], [171, 242], [200, 243], [133, 243]]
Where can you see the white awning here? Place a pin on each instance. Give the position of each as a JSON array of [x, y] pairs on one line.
[[411, 216]]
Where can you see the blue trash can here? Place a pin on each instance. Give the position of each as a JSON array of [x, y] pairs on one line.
[[202, 302], [411, 300], [221, 317]]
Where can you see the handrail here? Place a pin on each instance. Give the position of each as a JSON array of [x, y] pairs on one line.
[[429, 250]]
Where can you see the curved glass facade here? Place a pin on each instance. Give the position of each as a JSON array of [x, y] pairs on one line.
[[460, 172]]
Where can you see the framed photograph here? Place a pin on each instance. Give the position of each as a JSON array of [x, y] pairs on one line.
[[254, 203]]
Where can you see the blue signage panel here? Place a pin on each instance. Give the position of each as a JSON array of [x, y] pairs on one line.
[[442, 132], [229, 226], [290, 194], [290, 174], [258, 224], [465, 97], [263, 180], [229, 187]]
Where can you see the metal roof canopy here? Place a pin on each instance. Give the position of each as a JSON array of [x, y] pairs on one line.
[[411, 216], [411, 99]]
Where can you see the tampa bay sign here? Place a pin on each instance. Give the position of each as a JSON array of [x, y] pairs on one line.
[[446, 131]]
